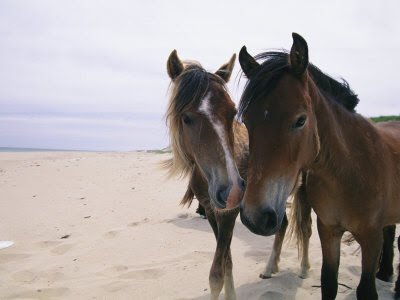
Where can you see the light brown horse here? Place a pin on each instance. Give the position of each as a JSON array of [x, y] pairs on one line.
[[301, 121], [211, 147]]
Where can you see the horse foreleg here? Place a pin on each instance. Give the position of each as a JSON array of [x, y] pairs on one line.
[[397, 286], [386, 261], [370, 240], [272, 265], [215, 282], [221, 269], [330, 242]]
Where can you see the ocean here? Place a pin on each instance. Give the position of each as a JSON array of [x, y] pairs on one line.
[[11, 149]]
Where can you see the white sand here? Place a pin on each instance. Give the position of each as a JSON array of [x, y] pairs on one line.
[[127, 238]]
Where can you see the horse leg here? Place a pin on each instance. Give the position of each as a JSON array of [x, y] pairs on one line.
[[306, 224], [272, 265], [386, 260], [217, 283], [330, 237], [370, 241], [229, 284], [300, 225], [397, 286], [226, 224], [201, 211], [221, 269]]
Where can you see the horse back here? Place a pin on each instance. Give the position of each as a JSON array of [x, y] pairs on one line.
[[390, 132]]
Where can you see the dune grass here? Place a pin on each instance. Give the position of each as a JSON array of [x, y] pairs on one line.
[[385, 118]]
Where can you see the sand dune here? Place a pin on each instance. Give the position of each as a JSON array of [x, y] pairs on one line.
[[108, 226]]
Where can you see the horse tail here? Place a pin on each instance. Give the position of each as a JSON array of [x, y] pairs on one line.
[[188, 197], [300, 217]]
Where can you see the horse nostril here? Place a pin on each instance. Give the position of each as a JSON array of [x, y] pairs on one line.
[[221, 197], [242, 184], [260, 220], [269, 218]]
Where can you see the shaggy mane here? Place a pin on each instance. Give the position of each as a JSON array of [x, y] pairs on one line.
[[275, 64], [187, 91]]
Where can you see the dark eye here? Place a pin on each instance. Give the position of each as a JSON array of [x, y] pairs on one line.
[[300, 122], [186, 119]]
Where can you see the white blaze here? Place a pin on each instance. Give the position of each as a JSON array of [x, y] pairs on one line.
[[205, 108]]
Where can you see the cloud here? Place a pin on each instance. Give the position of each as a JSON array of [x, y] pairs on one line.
[[85, 59]]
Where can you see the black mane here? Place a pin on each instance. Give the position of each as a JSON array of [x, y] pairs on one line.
[[275, 64]]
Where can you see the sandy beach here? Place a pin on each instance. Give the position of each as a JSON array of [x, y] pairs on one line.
[[89, 225]]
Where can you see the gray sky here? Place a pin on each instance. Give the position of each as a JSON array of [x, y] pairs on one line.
[[91, 74]]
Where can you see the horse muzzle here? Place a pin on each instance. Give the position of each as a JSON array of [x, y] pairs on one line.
[[263, 221], [228, 197]]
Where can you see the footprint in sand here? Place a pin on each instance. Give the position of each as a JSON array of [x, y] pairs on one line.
[[24, 276], [115, 270], [6, 258], [271, 295], [115, 286], [355, 270], [51, 276], [143, 274], [257, 255], [198, 256], [47, 244], [60, 250], [134, 224], [179, 217], [183, 216], [110, 234], [49, 293]]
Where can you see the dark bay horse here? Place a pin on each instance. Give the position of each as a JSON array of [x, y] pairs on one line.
[[211, 148], [301, 121]]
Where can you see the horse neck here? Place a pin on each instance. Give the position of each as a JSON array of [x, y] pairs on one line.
[[341, 133]]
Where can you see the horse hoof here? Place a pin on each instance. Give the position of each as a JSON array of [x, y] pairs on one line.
[[383, 277], [262, 276], [303, 276]]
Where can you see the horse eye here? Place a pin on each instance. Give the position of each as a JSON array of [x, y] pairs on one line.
[[300, 122], [186, 119]]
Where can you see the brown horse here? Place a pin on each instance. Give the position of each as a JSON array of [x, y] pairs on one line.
[[301, 121], [211, 147]]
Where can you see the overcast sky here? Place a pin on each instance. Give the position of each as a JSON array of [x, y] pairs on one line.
[[91, 74]]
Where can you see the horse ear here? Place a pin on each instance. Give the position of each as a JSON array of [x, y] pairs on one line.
[[247, 62], [174, 65], [298, 58], [225, 71]]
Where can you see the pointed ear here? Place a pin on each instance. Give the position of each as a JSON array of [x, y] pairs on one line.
[[247, 62], [225, 71], [298, 58], [174, 65]]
